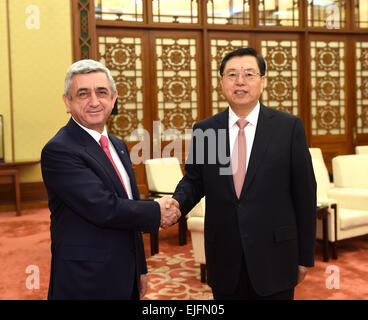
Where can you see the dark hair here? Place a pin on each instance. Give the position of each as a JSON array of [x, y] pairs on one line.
[[244, 52]]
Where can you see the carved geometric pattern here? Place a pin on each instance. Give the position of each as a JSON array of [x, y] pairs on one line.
[[122, 56], [328, 88], [362, 86], [219, 49], [165, 12], [279, 13], [177, 84], [85, 37], [281, 86], [228, 12]]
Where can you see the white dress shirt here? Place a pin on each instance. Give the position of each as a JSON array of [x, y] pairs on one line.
[[249, 130], [97, 136]]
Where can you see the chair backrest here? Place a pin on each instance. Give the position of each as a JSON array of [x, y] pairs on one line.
[[322, 178], [350, 171], [361, 150], [316, 153], [163, 174], [199, 209]]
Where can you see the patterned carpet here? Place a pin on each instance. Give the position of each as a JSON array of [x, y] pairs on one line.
[[175, 277], [173, 274]]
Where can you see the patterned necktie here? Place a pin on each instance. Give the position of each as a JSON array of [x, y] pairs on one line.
[[105, 146], [239, 157]]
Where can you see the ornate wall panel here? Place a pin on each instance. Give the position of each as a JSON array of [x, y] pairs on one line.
[[177, 83], [362, 86], [328, 88], [123, 57], [219, 48], [84, 29], [281, 88]]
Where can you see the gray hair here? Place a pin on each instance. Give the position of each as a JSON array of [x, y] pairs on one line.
[[84, 67]]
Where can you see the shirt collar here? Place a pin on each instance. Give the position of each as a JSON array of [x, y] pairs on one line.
[[252, 117], [95, 135]]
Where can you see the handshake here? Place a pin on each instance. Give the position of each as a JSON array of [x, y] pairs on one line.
[[170, 212]]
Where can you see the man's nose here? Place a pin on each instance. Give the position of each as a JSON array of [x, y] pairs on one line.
[[94, 100], [241, 78]]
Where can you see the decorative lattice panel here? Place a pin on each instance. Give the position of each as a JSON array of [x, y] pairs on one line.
[[219, 49], [85, 38], [177, 83], [362, 86], [328, 88], [123, 57], [281, 86]]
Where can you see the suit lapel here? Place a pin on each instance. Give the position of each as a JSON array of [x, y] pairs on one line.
[[97, 153], [124, 157], [223, 123], [265, 127]]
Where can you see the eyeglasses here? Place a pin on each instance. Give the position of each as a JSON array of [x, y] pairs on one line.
[[233, 75]]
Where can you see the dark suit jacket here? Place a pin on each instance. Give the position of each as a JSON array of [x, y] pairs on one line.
[[96, 241], [273, 223]]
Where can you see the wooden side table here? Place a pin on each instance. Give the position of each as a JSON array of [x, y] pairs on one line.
[[322, 214], [14, 174], [12, 169]]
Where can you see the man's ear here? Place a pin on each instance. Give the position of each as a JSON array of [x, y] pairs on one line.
[[67, 103]]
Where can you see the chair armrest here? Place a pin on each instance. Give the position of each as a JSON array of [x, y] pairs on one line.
[[196, 224], [350, 198]]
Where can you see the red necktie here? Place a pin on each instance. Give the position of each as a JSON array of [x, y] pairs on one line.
[[105, 146], [239, 157]]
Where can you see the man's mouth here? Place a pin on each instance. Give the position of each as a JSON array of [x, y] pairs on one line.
[[240, 92]]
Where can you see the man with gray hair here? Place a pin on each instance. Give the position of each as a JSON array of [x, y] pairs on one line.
[[96, 215]]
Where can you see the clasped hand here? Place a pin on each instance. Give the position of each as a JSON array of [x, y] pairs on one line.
[[170, 212]]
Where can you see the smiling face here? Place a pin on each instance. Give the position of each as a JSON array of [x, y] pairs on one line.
[[91, 100], [242, 94]]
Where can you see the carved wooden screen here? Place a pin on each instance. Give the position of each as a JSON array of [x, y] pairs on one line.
[[281, 86], [220, 46], [176, 80], [122, 55], [362, 87], [328, 88]]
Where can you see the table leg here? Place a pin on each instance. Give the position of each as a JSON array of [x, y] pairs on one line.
[[325, 238]]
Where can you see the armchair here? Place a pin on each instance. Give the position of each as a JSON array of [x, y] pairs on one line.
[[163, 174], [196, 228], [361, 150], [351, 195]]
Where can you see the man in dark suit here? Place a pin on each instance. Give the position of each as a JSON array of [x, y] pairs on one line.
[[96, 215], [261, 214]]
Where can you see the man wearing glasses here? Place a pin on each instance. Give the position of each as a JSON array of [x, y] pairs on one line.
[[261, 214]]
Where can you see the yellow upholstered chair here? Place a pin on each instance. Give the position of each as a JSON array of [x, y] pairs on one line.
[[350, 192], [163, 174], [196, 228], [361, 150]]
